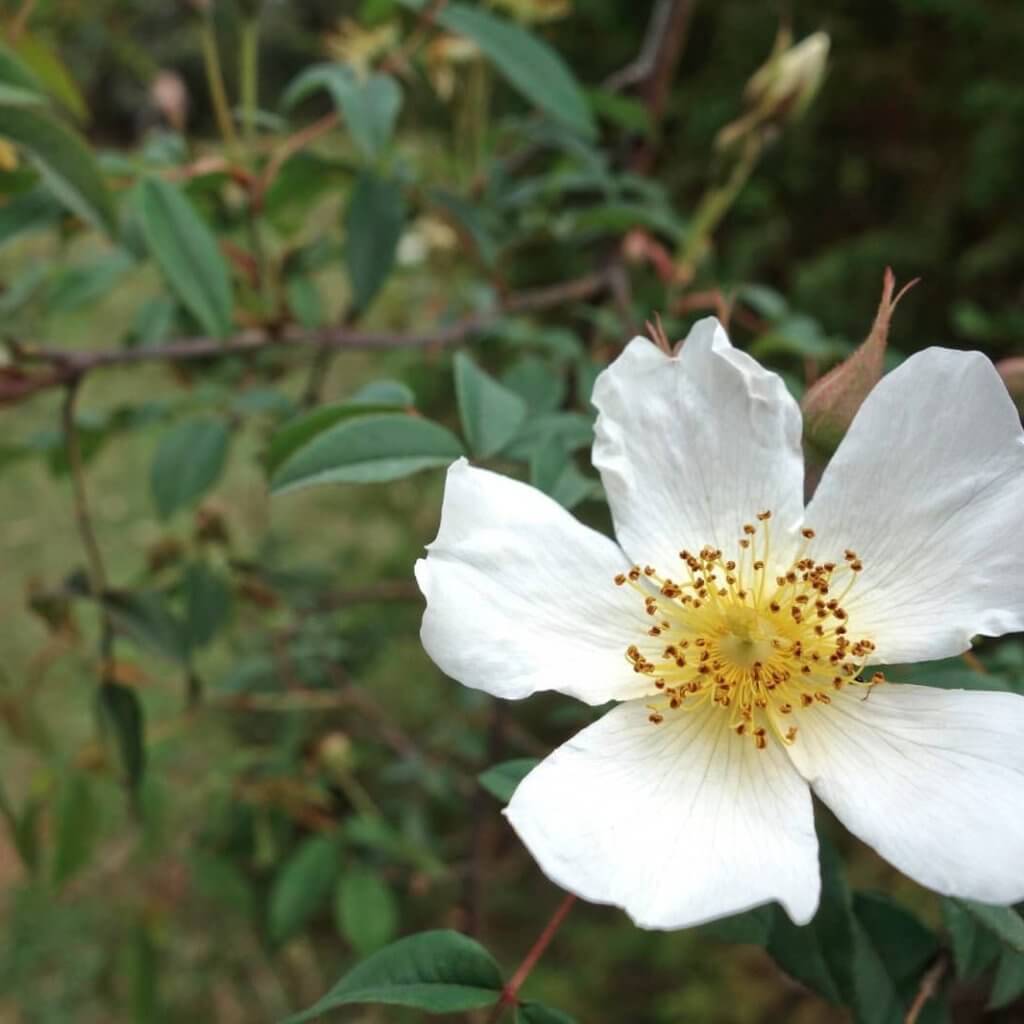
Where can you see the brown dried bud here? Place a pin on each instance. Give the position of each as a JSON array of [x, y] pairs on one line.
[[833, 400]]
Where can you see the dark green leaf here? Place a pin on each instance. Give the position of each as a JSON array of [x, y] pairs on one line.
[[501, 780], [187, 253], [207, 604], [188, 462], [64, 161], [752, 926], [34, 210], [539, 384], [571, 430], [385, 391], [365, 910], [893, 951], [369, 107], [373, 225], [146, 620], [302, 886], [438, 971], [538, 1013], [820, 954], [77, 821], [15, 72], [1002, 922], [300, 430], [554, 472], [368, 449], [490, 413], [305, 301], [121, 713], [1008, 984], [528, 63]]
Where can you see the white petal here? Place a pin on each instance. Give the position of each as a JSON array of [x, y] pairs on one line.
[[693, 446], [677, 823], [521, 598], [932, 779], [928, 489]]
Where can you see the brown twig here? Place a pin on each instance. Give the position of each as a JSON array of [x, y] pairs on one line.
[[66, 367], [292, 145], [929, 987], [510, 993]]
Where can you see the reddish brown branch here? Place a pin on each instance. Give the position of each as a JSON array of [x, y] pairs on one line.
[[64, 366], [510, 993]]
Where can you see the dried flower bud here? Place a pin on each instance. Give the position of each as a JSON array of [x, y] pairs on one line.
[[833, 400], [782, 88]]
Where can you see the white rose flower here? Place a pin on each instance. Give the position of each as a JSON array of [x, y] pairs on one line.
[[737, 629]]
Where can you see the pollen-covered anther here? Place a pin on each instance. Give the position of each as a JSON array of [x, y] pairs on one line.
[[761, 649]]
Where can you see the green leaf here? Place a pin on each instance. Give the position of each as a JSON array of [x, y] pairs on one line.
[[539, 384], [820, 954], [188, 462], [554, 472], [52, 74], [532, 67], [893, 951], [302, 886], [572, 430], [187, 253], [385, 392], [537, 1013], [490, 413], [145, 619], [974, 948], [34, 210], [14, 72], [368, 449], [365, 911], [752, 926], [121, 714], [374, 220], [77, 821], [501, 780], [1002, 922], [438, 971], [64, 161], [207, 604], [300, 430], [1008, 984], [369, 107], [13, 96]]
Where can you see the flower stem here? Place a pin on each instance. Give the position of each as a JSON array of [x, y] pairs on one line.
[[249, 78], [215, 80], [510, 993]]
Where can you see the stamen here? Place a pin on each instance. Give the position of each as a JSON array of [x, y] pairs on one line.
[[769, 638]]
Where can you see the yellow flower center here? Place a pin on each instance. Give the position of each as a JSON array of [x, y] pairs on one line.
[[748, 636]]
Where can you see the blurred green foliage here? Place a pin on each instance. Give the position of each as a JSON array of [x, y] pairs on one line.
[[230, 776]]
